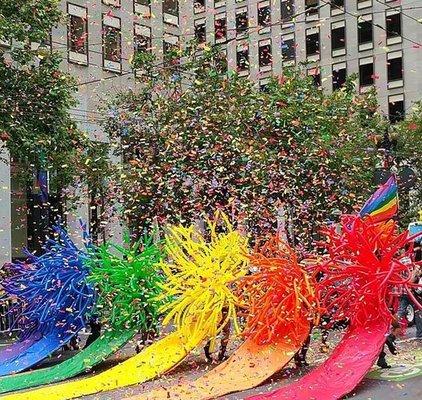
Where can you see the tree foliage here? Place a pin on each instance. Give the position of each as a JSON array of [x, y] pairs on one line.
[[408, 134], [35, 96], [28, 20], [196, 139]]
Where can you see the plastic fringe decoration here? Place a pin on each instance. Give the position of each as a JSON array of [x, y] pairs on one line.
[[199, 275]]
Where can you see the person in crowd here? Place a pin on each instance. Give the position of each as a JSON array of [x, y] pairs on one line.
[[95, 333], [391, 344]]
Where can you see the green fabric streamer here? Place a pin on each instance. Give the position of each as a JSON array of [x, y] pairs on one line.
[[102, 348], [128, 282]]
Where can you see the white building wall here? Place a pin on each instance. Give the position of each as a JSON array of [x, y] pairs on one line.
[[5, 209]]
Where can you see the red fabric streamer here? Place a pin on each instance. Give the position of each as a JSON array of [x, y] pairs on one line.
[[366, 268]]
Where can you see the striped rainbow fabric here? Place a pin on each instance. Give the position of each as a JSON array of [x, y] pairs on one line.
[[384, 203]]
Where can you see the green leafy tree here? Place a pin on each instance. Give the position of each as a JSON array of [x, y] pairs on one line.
[[408, 135], [35, 96], [195, 139], [28, 20]]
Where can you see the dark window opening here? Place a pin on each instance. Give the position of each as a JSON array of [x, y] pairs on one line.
[[366, 74], [264, 16], [395, 69], [78, 35], [312, 44], [338, 38], [170, 51], [200, 33], [287, 10], [316, 76], [339, 78], [393, 25], [396, 111], [221, 64], [241, 22], [171, 7], [336, 4], [112, 44], [265, 56], [243, 59], [365, 32], [220, 27], [263, 87], [288, 50], [143, 2], [142, 43], [311, 7], [169, 47], [199, 6]]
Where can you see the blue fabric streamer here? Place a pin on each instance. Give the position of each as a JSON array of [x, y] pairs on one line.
[[54, 300]]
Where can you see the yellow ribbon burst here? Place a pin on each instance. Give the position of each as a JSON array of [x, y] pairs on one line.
[[199, 275]]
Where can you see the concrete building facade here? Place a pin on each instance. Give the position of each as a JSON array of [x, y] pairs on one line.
[[379, 40]]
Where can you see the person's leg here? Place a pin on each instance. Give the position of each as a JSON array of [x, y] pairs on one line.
[[207, 351], [300, 356], [94, 334], [73, 343], [418, 323], [324, 341], [224, 342], [402, 312], [382, 361]]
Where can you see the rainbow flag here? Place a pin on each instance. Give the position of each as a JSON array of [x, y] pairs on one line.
[[384, 203]]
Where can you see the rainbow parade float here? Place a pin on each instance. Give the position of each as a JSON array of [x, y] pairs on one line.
[[192, 286]]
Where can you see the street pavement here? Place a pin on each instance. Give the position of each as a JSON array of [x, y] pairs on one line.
[[402, 381]]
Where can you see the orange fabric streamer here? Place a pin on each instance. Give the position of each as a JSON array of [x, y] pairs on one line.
[[281, 304]]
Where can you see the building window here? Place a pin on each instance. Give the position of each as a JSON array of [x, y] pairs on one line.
[[287, 10], [288, 49], [114, 3], [393, 26], [265, 56], [198, 6], [364, 4], [219, 3], [339, 75], [396, 108], [170, 47], [142, 39], [142, 6], [112, 44], [242, 58], [264, 15], [338, 38], [241, 20], [311, 8], [220, 27], [171, 12], [337, 7], [395, 69], [366, 71], [312, 43], [263, 85], [316, 76], [200, 33], [365, 33], [77, 34], [221, 62]]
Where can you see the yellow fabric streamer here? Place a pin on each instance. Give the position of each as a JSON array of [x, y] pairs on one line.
[[198, 277], [281, 302]]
